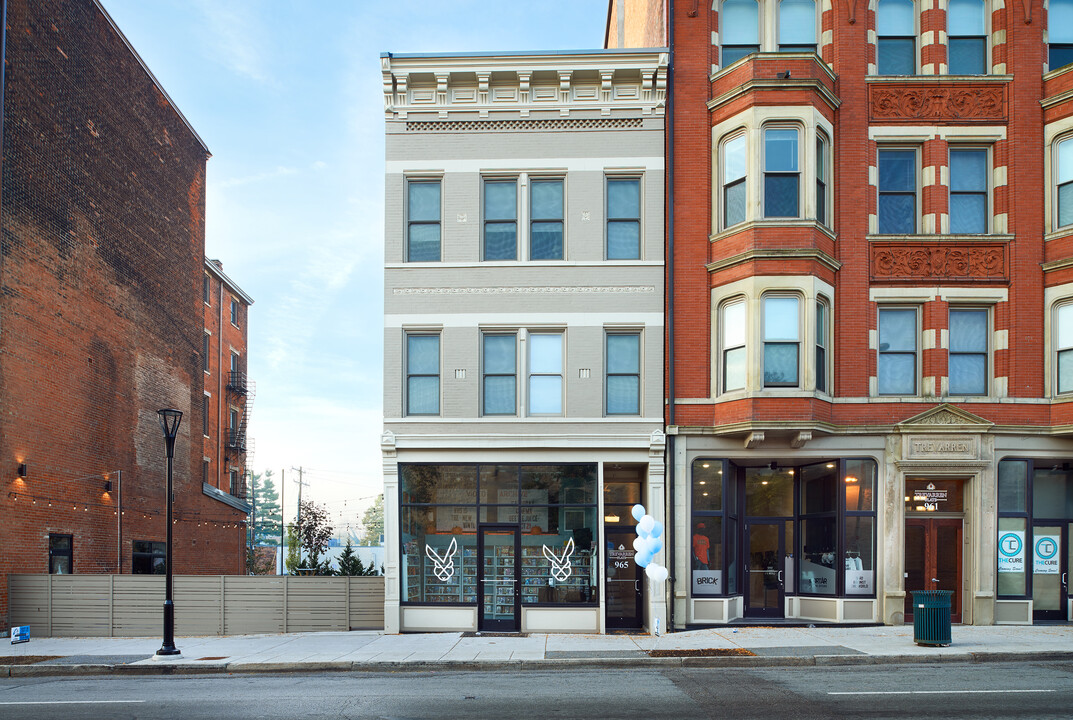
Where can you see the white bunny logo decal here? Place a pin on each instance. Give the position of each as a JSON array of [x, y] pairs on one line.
[[560, 566], [444, 565]]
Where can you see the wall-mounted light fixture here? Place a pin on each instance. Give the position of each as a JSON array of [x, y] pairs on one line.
[[108, 486], [22, 470]]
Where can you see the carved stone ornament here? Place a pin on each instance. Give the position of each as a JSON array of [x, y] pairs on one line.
[[937, 103], [945, 262]]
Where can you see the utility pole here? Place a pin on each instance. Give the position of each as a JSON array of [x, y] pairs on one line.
[[282, 524], [299, 523]]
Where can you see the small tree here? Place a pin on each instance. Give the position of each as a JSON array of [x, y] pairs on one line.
[[351, 564], [294, 554], [314, 532], [373, 521], [269, 516]]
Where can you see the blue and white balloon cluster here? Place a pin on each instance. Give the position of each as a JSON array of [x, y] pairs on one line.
[[648, 542]]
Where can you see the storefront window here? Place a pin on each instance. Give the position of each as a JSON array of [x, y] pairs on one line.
[[706, 531], [1011, 555], [860, 483], [819, 551], [1012, 486], [859, 560], [1052, 492], [769, 493], [552, 507]]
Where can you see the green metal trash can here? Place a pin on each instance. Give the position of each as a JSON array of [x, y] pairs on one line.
[[931, 617]]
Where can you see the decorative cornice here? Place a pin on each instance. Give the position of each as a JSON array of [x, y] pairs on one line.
[[1055, 265], [775, 84], [777, 254], [944, 417], [522, 82], [528, 290], [780, 223], [1060, 98]]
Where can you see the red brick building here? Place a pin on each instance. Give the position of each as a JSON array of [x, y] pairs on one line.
[[870, 305], [101, 311], [229, 392]]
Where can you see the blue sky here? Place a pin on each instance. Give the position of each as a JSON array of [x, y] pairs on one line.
[[287, 95]]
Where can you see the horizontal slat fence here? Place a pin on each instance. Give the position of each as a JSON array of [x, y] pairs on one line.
[[132, 605]]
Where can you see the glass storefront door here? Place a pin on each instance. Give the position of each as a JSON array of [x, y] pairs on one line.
[[498, 578], [765, 550], [1050, 572], [625, 581], [933, 560]]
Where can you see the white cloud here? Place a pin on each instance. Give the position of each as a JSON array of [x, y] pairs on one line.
[[259, 177], [237, 34]]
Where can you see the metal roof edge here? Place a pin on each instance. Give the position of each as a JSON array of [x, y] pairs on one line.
[[222, 277], [524, 53]]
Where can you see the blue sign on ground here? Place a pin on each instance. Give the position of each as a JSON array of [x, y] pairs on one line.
[[20, 634]]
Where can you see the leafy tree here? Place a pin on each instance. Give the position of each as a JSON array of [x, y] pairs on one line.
[[294, 554], [373, 522], [314, 532], [351, 564], [268, 516], [260, 563]]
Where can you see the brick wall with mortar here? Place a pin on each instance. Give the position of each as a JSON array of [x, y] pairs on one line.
[[1018, 49], [100, 310]]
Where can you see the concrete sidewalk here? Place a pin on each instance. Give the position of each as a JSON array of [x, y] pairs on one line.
[[372, 651]]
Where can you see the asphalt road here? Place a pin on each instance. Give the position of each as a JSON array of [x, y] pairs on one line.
[[999, 690]]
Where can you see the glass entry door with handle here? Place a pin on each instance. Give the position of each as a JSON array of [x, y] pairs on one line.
[[497, 580], [625, 581], [765, 583], [1050, 571]]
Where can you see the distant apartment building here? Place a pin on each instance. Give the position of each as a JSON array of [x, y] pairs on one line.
[[229, 391], [101, 312], [870, 306], [523, 369]]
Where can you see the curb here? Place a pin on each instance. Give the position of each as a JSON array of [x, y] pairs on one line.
[[338, 666]]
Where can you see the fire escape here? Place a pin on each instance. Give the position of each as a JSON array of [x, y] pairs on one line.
[[238, 448]]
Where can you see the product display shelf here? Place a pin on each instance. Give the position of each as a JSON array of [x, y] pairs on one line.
[[499, 596], [536, 573], [460, 587]]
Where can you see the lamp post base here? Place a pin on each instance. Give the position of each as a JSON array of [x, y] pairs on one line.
[[166, 654]]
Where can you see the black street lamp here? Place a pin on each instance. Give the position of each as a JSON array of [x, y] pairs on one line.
[[169, 423]]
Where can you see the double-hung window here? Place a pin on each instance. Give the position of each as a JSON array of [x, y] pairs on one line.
[[732, 334], [501, 219], [821, 345], [623, 218], [1064, 182], [797, 26], [782, 340], [1063, 341], [500, 373], [423, 221], [966, 37], [897, 364], [546, 373], [897, 191], [822, 181], [206, 295], [1059, 33], [735, 166], [623, 383], [546, 220], [234, 312], [968, 191], [896, 37], [968, 352], [739, 22], [422, 374], [782, 173], [206, 401]]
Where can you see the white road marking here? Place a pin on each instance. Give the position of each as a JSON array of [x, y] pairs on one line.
[[933, 692], [71, 702]]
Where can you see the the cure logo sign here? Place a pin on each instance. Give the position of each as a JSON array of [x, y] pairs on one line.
[[1046, 560]]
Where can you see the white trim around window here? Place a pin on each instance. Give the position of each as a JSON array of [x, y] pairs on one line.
[[761, 329], [764, 150], [751, 26], [898, 350]]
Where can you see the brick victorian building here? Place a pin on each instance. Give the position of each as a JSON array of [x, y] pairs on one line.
[[101, 313], [870, 305]]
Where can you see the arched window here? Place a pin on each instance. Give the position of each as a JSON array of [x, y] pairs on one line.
[[739, 29], [782, 172], [967, 37], [1060, 33], [782, 340], [797, 26], [732, 344], [735, 164], [1064, 177], [896, 37]]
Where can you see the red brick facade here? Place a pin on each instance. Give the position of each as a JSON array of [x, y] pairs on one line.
[[101, 315]]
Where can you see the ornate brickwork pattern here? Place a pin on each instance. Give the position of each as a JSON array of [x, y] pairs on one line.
[[942, 262], [523, 125], [936, 103]]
